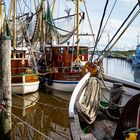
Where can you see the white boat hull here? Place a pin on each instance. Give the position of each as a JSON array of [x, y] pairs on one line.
[[66, 86], [25, 88]]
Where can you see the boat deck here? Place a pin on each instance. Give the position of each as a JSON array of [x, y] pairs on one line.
[[103, 128]]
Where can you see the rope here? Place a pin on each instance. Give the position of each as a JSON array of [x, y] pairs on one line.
[[117, 31], [88, 106], [107, 89], [27, 6], [108, 92], [89, 20], [107, 19], [97, 38], [122, 32], [31, 52], [27, 124]]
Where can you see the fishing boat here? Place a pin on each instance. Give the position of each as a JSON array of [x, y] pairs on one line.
[[24, 78], [24, 74], [62, 63], [92, 115], [136, 57]]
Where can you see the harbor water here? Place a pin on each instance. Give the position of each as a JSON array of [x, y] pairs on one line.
[[121, 69], [46, 112]]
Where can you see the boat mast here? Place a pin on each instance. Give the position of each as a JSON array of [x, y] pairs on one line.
[[53, 6], [14, 27], [42, 24], [77, 34], [0, 17]]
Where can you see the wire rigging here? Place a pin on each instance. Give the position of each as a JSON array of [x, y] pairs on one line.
[[89, 21], [97, 38], [107, 19], [123, 31], [27, 5], [118, 30]]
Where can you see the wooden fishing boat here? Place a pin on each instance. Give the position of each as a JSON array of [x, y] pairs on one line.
[[62, 72], [24, 75], [91, 119], [24, 79], [62, 63]]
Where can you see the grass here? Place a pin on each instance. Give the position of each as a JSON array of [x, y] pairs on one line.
[[121, 54]]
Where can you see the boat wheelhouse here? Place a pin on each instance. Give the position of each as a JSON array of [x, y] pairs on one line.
[[63, 73]]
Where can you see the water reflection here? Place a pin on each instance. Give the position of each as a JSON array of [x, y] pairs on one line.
[[46, 113], [121, 69], [22, 105]]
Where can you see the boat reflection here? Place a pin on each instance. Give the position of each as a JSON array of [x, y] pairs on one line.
[[48, 115], [22, 105]]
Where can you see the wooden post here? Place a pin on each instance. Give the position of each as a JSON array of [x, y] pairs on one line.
[[115, 101], [5, 81]]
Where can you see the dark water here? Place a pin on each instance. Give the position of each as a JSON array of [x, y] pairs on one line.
[[47, 111]]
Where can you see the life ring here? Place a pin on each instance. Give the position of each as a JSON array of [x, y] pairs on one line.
[[60, 58]]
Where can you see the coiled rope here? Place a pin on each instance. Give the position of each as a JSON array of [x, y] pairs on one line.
[[87, 107]]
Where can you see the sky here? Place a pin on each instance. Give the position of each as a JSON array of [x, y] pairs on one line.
[[95, 9], [120, 12]]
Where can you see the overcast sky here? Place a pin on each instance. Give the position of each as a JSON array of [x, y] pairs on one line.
[[95, 11]]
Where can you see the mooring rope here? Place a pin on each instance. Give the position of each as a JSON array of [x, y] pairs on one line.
[[27, 124], [108, 90]]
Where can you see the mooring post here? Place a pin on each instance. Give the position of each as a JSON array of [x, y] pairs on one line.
[[115, 101], [5, 83]]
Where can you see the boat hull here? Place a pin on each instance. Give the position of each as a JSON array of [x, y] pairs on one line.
[[130, 89], [61, 85], [63, 81], [26, 83], [102, 121], [25, 88]]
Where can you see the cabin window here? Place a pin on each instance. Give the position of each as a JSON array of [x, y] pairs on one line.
[[72, 49], [138, 50], [61, 50], [137, 57], [83, 51], [18, 55]]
